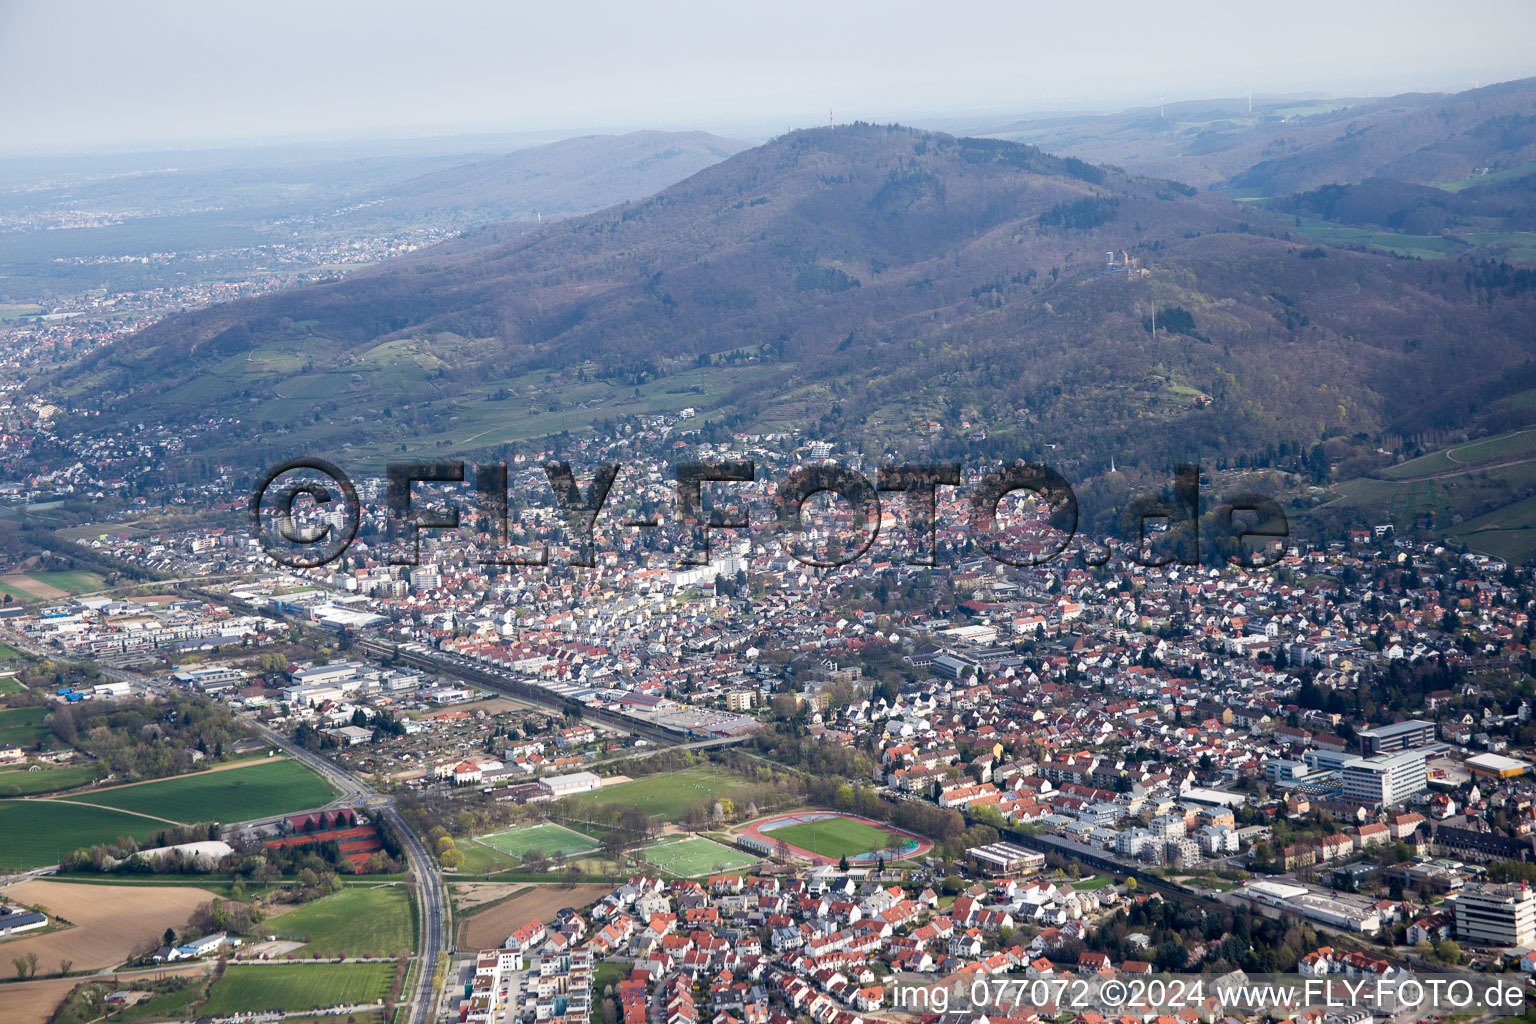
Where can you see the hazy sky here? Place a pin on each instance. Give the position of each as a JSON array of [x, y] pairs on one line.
[[77, 75]]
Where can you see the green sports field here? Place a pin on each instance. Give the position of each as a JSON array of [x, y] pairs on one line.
[[669, 795], [253, 790], [39, 832], [833, 837], [358, 921], [294, 987], [692, 857], [548, 838]]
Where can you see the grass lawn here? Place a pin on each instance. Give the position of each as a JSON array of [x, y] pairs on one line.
[[547, 838], [670, 794], [20, 782], [833, 837], [254, 790], [23, 727], [293, 987], [38, 832], [695, 856], [358, 921], [1091, 883], [10, 684]]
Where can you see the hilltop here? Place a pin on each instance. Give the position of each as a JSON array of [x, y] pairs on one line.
[[860, 283]]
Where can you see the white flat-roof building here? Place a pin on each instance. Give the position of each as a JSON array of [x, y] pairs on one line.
[[1384, 780], [561, 786], [1496, 915]]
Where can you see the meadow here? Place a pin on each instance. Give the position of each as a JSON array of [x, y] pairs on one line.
[[670, 794], [245, 988], [23, 727], [358, 921]]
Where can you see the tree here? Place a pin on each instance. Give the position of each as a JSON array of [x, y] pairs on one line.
[[65, 966], [33, 958], [1448, 951], [169, 938], [20, 964]]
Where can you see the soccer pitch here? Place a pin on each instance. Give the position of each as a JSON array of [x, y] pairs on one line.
[[691, 857], [548, 839], [834, 837]]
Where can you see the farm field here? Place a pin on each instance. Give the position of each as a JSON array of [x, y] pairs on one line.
[[48, 586], [833, 837], [292, 987], [1508, 533], [547, 838], [33, 1002], [38, 832], [1515, 444], [669, 795], [106, 930], [489, 928], [255, 789], [695, 856], [358, 921]]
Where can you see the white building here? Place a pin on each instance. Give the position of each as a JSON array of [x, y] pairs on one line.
[[1384, 780], [1497, 915], [560, 786]]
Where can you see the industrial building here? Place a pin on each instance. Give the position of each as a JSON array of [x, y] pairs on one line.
[[1400, 736]]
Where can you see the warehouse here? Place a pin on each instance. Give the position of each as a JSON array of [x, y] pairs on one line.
[[1497, 766]]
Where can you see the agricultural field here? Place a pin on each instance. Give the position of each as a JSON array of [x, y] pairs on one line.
[[694, 856], [1508, 533], [1513, 445], [109, 923], [48, 586], [23, 727], [253, 789], [548, 838], [669, 795], [489, 927], [245, 988], [358, 921], [39, 832]]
